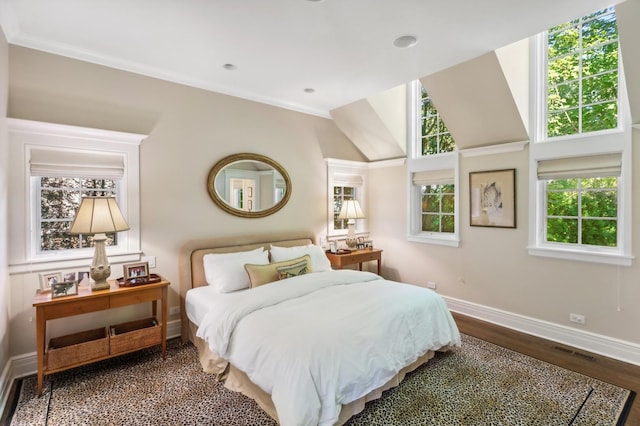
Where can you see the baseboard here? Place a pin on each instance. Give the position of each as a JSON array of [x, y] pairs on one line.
[[5, 387], [610, 347]]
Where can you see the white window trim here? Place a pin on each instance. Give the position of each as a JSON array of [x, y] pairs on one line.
[[418, 163], [25, 135], [593, 143], [357, 168], [449, 160]]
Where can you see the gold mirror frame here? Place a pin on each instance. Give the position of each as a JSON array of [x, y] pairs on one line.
[[220, 202]]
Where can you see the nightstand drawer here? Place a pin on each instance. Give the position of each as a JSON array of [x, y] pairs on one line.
[[365, 257]]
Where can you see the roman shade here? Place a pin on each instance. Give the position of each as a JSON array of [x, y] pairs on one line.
[[76, 164], [347, 179], [434, 177], [581, 167]]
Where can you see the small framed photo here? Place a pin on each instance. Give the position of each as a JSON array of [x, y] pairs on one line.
[[333, 247], [83, 278], [48, 279], [69, 276], [136, 270], [64, 288]]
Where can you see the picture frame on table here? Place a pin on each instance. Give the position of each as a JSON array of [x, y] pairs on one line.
[[492, 198], [135, 270], [83, 278], [64, 288], [48, 279]]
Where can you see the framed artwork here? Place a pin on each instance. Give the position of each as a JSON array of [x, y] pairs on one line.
[[48, 279], [64, 288], [69, 276], [136, 270], [492, 198]]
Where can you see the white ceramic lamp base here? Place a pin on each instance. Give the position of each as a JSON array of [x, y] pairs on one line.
[[100, 268]]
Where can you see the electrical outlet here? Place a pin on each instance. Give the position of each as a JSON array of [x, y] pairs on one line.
[[150, 259], [577, 318], [174, 310], [431, 285]]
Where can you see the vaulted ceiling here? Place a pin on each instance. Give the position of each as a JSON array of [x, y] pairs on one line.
[[308, 55]]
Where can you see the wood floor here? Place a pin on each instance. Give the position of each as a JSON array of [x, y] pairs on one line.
[[597, 366]]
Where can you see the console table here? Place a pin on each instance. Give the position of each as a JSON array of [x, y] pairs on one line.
[[87, 347]]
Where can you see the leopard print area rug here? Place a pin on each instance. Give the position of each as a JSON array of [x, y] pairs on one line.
[[477, 384]]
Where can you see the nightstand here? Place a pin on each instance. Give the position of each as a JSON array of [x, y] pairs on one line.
[[339, 261]]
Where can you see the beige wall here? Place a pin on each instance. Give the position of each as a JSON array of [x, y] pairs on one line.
[[492, 267], [189, 131], [4, 278]]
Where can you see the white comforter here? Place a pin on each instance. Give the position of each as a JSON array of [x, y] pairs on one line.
[[324, 339]]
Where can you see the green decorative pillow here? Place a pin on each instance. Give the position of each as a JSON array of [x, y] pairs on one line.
[[263, 274], [298, 268]]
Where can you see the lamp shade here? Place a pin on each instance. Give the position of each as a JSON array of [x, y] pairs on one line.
[[351, 210], [98, 215]]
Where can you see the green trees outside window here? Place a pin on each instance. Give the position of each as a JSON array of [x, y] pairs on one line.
[[582, 75], [583, 211], [438, 208], [436, 138]]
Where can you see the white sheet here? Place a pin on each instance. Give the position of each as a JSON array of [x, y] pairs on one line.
[[320, 340], [198, 302]]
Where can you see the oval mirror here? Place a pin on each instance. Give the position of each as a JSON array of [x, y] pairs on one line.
[[249, 185]]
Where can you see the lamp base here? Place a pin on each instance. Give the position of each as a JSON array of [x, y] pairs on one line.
[[100, 268], [351, 239]]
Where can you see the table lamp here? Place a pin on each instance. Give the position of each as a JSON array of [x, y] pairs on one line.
[[351, 210], [97, 216]]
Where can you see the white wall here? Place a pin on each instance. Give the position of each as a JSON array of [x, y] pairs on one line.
[[4, 277]]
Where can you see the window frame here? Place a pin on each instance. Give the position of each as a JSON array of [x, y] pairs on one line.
[[360, 171], [602, 142], [424, 163], [25, 136]]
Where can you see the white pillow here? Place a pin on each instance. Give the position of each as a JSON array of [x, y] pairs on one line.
[[225, 271], [319, 261]]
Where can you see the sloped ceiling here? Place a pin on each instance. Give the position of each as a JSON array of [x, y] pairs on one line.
[[476, 103], [376, 125]]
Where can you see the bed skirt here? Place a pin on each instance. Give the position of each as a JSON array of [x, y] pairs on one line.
[[238, 381]]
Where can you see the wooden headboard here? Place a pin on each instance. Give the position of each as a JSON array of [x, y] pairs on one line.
[[191, 254]]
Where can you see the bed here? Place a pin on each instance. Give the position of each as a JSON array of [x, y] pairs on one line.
[[313, 348]]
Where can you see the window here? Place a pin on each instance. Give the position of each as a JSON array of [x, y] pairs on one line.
[[435, 137], [437, 200], [346, 180], [60, 178], [60, 165], [582, 75], [59, 199], [340, 194], [433, 170], [581, 196], [580, 160]]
